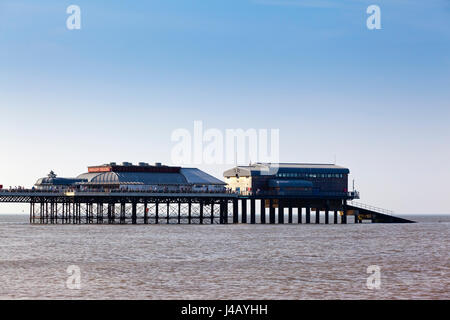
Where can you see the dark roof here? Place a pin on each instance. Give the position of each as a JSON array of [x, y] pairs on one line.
[[186, 176], [57, 181], [145, 178]]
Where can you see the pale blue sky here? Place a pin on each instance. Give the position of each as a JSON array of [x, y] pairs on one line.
[[115, 90]]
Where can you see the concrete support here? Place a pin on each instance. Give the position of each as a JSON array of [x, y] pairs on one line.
[[271, 212], [317, 215], [252, 211], [280, 212], [290, 214], [344, 216], [335, 217], [299, 214], [244, 210], [308, 215], [263, 211], [235, 211]]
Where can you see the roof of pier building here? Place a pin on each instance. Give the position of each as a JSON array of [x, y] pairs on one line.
[[186, 176], [259, 169], [142, 174]]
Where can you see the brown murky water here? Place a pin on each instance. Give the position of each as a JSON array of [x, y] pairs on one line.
[[225, 261]]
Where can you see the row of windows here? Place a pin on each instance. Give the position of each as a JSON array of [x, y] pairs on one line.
[[309, 175]]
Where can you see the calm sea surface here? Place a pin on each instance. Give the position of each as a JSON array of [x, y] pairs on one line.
[[225, 261]]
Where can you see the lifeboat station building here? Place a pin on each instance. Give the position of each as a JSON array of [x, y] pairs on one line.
[[286, 179]]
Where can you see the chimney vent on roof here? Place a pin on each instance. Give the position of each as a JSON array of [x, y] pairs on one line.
[[127, 164], [158, 164], [143, 164], [112, 163]]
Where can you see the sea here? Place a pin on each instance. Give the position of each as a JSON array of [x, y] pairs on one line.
[[242, 261]]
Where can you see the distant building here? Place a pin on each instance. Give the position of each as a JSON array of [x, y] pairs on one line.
[[287, 179], [141, 177]]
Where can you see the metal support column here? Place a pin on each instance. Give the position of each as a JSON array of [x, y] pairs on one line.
[[122, 213], [212, 212], [189, 211], [168, 213], [225, 211], [134, 213], [145, 212]]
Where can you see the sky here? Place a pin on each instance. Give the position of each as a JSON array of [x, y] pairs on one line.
[[376, 101]]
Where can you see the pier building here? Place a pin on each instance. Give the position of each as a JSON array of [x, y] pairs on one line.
[[141, 177]]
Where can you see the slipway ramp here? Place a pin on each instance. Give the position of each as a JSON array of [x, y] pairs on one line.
[[363, 211]]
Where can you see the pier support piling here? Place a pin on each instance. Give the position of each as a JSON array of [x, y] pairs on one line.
[[308, 215], [252, 211], [235, 211], [271, 212], [263, 211], [244, 210], [280, 212]]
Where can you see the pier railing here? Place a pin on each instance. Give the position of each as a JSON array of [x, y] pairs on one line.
[[369, 207], [351, 195], [107, 192]]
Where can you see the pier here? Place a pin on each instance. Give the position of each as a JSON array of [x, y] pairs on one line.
[[190, 208], [260, 193]]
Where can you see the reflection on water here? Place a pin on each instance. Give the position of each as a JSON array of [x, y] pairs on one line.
[[225, 261]]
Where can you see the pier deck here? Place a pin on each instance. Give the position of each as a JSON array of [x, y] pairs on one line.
[[191, 208]]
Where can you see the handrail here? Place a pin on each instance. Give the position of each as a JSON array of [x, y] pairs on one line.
[[371, 208], [65, 191]]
